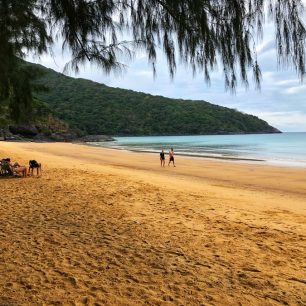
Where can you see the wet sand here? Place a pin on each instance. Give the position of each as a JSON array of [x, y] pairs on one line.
[[110, 227]]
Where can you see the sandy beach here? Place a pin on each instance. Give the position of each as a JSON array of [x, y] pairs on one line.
[[111, 227]]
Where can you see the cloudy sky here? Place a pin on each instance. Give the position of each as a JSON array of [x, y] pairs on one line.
[[281, 100]]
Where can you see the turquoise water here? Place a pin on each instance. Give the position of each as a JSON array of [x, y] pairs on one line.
[[285, 148]]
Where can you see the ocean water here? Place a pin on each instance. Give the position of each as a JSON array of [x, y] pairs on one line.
[[282, 149]]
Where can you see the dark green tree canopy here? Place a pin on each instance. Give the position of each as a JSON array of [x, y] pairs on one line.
[[200, 33]]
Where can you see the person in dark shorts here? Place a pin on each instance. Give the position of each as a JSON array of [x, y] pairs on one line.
[[162, 158], [171, 157]]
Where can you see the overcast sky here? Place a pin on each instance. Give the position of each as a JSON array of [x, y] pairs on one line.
[[281, 100]]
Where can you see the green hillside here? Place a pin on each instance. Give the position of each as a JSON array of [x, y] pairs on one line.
[[98, 109]]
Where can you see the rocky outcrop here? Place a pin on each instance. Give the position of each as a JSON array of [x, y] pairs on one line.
[[95, 138], [24, 130], [33, 133]]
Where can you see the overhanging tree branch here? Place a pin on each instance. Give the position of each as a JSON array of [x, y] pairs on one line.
[[200, 33]]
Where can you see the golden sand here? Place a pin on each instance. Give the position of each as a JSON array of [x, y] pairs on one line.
[[109, 227]]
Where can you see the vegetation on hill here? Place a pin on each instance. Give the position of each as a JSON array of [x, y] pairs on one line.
[[98, 109]]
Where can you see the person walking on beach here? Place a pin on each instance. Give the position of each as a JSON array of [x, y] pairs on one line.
[[162, 158], [171, 157]]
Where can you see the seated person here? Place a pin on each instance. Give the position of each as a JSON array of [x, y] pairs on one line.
[[33, 164], [14, 169], [20, 169], [5, 167]]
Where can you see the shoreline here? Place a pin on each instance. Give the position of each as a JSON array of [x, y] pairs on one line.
[[181, 154], [234, 156], [242, 160], [112, 159], [101, 221]]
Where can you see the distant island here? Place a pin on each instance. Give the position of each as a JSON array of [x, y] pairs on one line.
[[90, 108]]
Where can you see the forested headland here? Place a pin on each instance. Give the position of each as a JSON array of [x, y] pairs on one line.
[[92, 108]]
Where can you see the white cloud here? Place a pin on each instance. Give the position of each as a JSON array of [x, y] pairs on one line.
[[283, 83], [285, 121], [294, 90]]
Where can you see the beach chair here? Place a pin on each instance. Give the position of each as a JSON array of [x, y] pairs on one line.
[[33, 164]]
